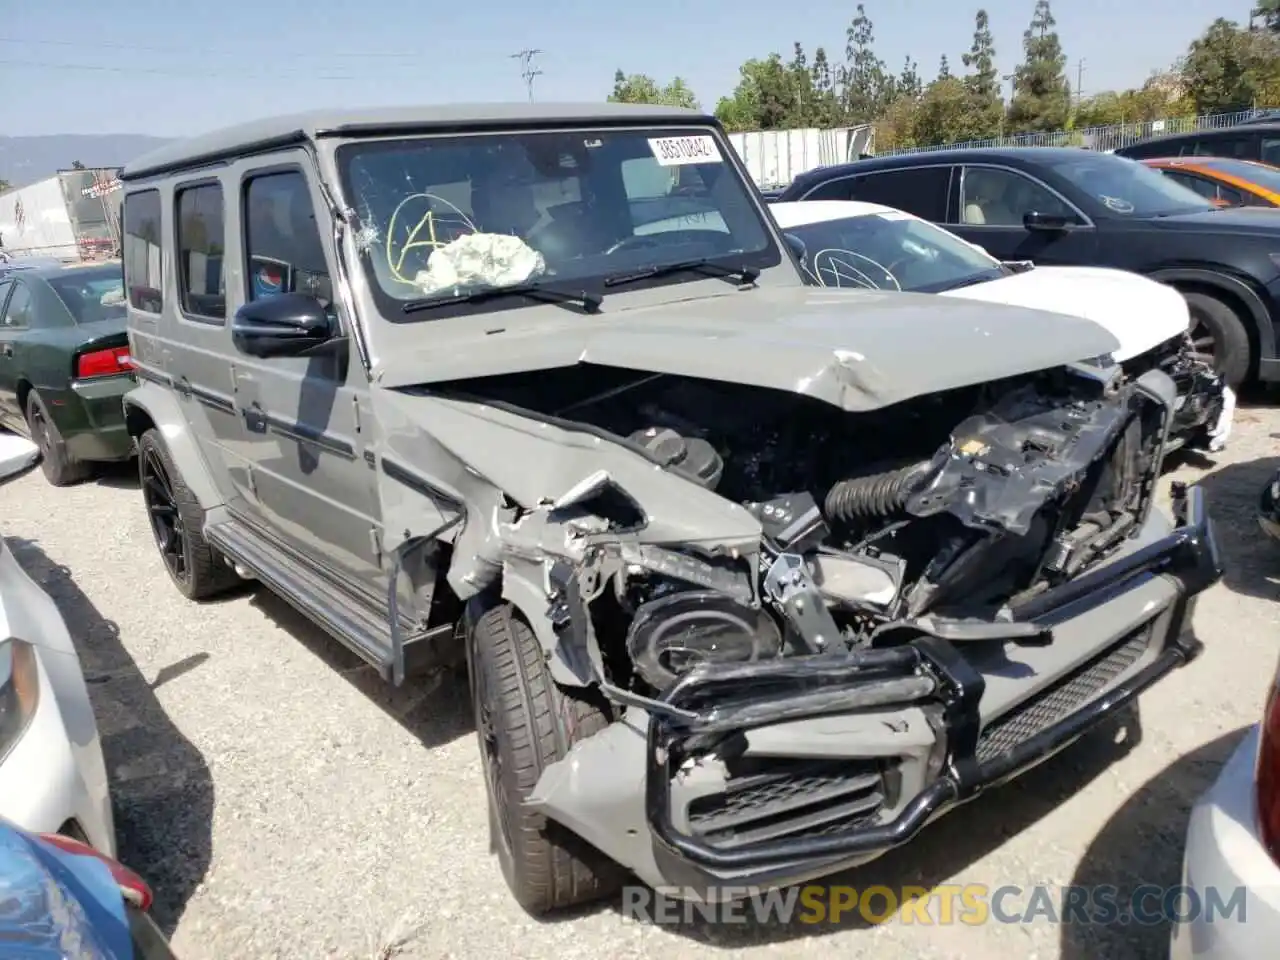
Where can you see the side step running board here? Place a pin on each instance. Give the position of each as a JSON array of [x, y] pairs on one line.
[[349, 621]]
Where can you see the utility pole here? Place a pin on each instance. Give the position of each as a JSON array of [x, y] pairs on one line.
[[1079, 80], [527, 70]]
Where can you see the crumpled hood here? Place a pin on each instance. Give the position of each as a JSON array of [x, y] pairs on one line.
[[1141, 313], [856, 349]]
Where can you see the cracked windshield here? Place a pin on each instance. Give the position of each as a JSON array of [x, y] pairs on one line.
[[447, 217], [890, 251]]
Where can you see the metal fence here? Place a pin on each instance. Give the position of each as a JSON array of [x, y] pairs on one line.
[[1098, 138]]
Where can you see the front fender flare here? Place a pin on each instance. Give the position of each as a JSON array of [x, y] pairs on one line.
[[1238, 289], [148, 405]]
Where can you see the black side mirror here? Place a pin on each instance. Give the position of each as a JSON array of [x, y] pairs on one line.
[[1047, 222], [796, 245], [283, 325]]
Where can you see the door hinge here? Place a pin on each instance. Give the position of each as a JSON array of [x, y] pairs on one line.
[[253, 481], [355, 403], [375, 544]]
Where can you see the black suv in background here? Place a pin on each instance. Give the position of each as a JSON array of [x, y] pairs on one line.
[[1254, 140], [1065, 206]]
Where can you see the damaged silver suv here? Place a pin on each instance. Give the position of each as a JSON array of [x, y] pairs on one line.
[[752, 579]]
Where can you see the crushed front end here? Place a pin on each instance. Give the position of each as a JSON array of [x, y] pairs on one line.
[[1205, 407], [910, 631]]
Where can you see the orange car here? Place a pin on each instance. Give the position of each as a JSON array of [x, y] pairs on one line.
[[1223, 181]]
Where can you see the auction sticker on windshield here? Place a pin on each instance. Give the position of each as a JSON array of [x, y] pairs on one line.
[[675, 151]]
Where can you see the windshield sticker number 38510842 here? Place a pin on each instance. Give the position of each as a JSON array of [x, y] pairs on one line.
[[675, 151]]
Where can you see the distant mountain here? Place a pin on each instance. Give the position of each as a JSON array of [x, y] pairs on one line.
[[25, 160]]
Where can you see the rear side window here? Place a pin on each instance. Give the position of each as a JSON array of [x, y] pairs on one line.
[[1154, 148], [922, 191], [200, 234], [18, 314], [141, 251], [1241, 148]]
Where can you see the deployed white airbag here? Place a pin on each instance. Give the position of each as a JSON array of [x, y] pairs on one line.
[[480, 260]]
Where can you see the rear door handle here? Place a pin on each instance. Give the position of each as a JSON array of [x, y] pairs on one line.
[[7, 349]]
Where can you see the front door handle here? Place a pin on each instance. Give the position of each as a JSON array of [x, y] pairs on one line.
[[7, 350]]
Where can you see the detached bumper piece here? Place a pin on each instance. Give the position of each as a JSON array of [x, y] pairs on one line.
[[790, 820]]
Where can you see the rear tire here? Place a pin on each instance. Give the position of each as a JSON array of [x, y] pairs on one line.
[[59, 467], [177, 523], [1232, 353], [524, 723]]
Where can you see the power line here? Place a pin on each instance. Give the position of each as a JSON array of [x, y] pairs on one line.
[[527, 70], [45, 65], [327, 53]]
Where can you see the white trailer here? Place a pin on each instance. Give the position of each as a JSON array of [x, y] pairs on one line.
[[71, 216], [776, 157]]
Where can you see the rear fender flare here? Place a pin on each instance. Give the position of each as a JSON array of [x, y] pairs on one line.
[[1239, 290], [149, 405]]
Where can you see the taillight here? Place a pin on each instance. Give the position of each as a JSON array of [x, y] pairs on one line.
[[1267, 774], [103, 363], [132, 887]]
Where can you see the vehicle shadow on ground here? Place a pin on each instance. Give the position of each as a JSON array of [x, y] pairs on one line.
[[1143, 844], [943, 850], [435, 708], [1251, 559], [161, 787], [122, 476]]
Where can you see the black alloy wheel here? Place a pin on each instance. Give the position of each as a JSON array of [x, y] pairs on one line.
[[166, 519]]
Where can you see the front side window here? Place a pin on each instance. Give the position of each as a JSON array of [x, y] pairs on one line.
[[841, 189], [445, 217], [283, 248], [1205, 188], [200, 240], [1238, 147], [1126, 188], [891, 251], [998, 197], [141, 251], [91, 293]]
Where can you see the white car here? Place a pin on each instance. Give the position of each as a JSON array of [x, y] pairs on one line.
[[850, 243], [1232, 859], [52, 775]]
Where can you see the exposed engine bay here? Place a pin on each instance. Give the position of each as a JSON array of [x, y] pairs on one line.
[[950, 509]]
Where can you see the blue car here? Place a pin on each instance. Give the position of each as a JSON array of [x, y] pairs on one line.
[[56, 891]]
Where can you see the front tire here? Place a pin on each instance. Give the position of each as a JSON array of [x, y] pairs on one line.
[[524, 723], [177, 523], [1215, 323]]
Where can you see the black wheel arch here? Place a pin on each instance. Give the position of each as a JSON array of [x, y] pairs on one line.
[[1232, 290]]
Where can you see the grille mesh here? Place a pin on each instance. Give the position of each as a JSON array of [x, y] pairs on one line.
[[1063, 698], [789, 799]]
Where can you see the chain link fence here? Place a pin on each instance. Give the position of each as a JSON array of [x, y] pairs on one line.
[[1101, 138]]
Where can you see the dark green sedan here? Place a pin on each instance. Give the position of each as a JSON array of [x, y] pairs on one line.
[[64, 365]]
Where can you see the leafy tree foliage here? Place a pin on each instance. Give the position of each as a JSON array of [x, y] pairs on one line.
[[1229, 67]]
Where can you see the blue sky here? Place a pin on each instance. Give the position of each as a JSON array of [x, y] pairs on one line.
[[169, 68]]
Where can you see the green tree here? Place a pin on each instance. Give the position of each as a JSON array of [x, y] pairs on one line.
[[1042, 96], [77, 165], [826, 112], [909, 84], [983, 79], [945, 113], [1268, 11], [866, 87], [5, 185], [801, 82], [641, 88], [762, 100], [944, 68], [1228, 68]]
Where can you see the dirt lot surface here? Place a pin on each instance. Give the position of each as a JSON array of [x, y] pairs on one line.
[[286, 805]]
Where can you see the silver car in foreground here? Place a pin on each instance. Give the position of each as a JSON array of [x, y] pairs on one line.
[[52, 775], [1233, 847]]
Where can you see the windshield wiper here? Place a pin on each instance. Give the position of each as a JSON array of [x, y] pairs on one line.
[[703, 265], [589, 299], [972, 281]]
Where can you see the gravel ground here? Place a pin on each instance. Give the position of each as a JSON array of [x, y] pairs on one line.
[[285, 804]]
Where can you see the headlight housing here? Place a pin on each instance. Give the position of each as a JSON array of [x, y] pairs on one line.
[[19, 690]]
